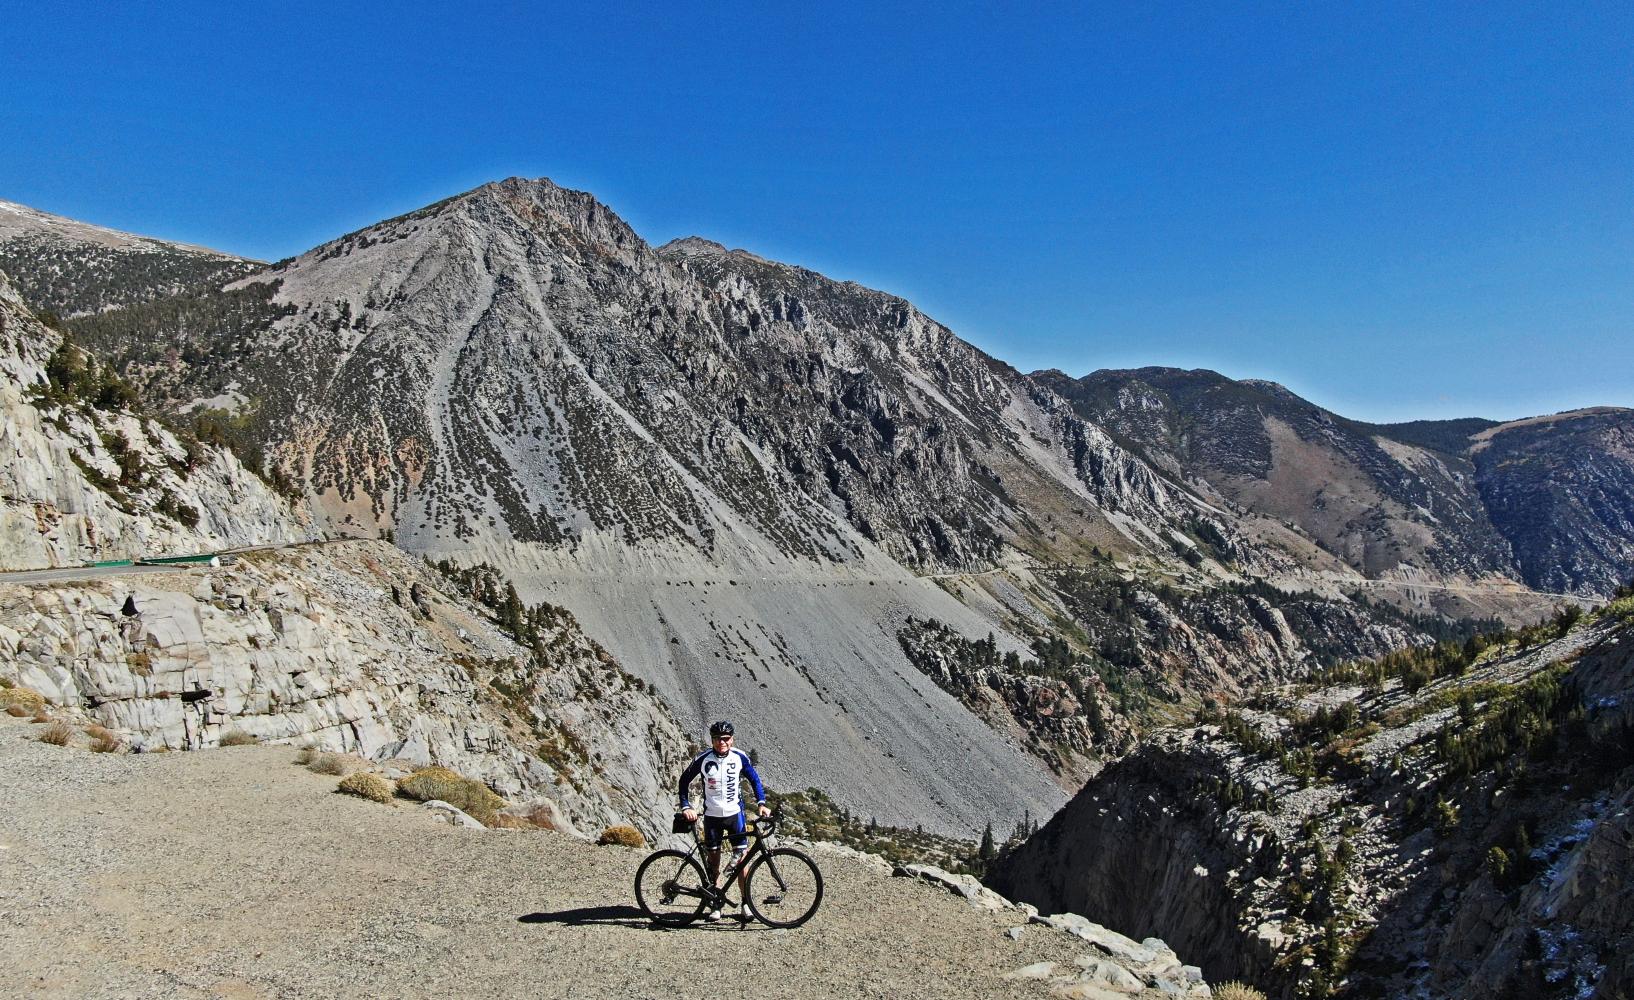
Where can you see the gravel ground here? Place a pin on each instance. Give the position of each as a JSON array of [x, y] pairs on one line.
[[233, 873]]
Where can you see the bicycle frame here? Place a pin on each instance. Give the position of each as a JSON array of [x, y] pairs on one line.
[[716, 895]]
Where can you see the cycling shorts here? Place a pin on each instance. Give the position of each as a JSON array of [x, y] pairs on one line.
[[732, 826]]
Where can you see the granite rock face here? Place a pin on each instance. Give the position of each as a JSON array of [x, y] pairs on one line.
[[1469, 839], [309, 647], [80, 482]]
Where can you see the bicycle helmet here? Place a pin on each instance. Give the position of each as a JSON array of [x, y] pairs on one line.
[[721, 728]]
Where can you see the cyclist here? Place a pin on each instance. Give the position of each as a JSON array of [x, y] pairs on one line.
[[722, 769]]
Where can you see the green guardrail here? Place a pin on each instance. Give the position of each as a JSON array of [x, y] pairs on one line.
[[108, 562], [174, 560]]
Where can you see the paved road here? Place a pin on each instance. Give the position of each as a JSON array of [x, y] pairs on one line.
[[66, 573]]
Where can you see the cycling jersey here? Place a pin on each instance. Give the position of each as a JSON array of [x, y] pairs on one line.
[[721, 775]]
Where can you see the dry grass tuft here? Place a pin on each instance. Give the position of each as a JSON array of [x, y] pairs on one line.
[[103, 740], [1237, 991], [470, 797], [542, 817], [239, 738], [26, 698], [58, 734], [305, 755], [624, 836], [367, 786], [17, 711], [334, 763], [40, 715], [510, 821]]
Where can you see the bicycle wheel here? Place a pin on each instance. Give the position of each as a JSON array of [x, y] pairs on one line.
[[785, 888], [670, 887]]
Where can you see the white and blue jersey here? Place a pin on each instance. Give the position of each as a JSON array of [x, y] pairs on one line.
[[723, 776]]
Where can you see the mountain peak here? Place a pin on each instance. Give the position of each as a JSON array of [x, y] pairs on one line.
[[694, 247]]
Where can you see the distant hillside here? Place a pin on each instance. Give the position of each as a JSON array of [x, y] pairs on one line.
[[69, 267], [1392, 500]]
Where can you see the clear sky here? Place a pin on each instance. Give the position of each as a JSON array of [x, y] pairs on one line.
[[1399, 211]]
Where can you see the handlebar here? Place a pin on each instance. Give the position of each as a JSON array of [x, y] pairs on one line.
[[755, 826]]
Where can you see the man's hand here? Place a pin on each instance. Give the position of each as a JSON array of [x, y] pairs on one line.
[[764, 811], [691, 814]]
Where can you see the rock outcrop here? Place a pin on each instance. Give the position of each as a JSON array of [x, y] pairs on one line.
[[85, 476], [1465, 836], [321, 646]]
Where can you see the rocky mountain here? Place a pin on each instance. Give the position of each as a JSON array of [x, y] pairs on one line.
[[1451, 823], [758, 488], [88, 475], [728, 469], [1413, 501], [69, 267]]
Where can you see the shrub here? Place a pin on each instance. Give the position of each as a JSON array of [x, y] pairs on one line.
[[40, 715], [1237, 991], [624, 836], [58, 734], [19, 697], [334, 763], [471, 797], [239, 738], [103, 740], [17, 711], [541, 817], [305, 755], [367, 786]]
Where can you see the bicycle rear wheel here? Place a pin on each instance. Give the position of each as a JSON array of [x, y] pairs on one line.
[[670, 887], [785, 888]]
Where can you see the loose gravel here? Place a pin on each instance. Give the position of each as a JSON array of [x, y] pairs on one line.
[[234, 873]]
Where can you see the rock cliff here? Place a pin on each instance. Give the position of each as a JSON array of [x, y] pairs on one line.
[[355, 647], [86, 475], [1452, 823]]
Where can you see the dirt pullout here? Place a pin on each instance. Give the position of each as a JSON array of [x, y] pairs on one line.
[[233, 873]]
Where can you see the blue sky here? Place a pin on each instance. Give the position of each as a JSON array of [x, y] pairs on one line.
[[1400, 211]]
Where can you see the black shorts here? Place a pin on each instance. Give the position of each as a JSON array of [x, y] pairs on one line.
[[732, 826]]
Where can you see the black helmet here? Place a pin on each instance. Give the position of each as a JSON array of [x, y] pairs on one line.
[[721, 728]]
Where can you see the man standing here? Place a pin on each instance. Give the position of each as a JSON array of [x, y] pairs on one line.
[[722, 769]]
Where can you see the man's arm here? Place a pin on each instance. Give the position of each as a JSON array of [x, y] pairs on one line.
[[754, 780]]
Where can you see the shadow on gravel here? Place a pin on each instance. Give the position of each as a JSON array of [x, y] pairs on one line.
[[618, 916], [624, 916]]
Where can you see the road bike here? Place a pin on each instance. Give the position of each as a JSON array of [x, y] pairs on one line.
[[784, 887]]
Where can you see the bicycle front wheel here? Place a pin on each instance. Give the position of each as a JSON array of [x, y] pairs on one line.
[[785, 888], [670, 887]]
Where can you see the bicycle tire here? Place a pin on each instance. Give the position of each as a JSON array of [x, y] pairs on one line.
[[656, 884], [795, 894]]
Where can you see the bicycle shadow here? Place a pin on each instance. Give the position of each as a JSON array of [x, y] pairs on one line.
[[618, 916]]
